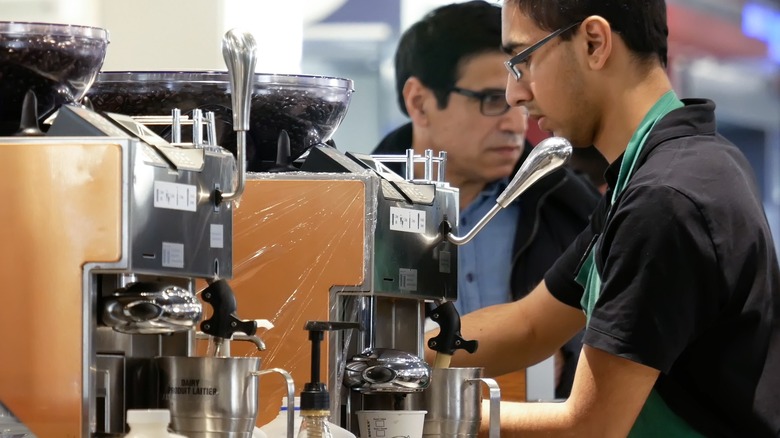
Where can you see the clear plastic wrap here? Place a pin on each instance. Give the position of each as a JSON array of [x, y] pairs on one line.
[[298, 238]]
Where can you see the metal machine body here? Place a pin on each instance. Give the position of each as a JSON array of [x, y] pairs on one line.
[[411, 262], [357, 245], [118, 212]]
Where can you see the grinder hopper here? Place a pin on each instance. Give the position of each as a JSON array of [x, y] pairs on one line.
[[58, 62], [309, 108]]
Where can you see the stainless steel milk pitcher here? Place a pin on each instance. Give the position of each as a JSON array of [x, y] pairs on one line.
[[212, 397], [454, 401]]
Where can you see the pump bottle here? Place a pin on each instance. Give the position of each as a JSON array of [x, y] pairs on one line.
[[315, 400], [278, 426]]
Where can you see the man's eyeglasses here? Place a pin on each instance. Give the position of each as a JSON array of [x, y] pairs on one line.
[[523, 56], [491, 103]]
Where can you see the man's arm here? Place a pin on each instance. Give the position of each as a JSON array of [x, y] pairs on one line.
[[515, 335], [608, 394]]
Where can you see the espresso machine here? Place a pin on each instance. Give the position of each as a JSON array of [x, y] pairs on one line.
[[345, 239], [411, 263], [295, 233], [109, 232]]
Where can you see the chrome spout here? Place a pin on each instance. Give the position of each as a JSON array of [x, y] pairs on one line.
[[239, 50], [547, 156]]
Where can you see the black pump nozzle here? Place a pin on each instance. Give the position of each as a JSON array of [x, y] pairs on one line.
[[314, 396]]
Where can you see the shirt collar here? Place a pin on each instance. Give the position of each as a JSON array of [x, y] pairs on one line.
[[488, 194], [494, 188], [612, 172]]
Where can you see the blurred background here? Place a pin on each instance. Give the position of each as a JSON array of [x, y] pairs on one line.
[[727, 50]]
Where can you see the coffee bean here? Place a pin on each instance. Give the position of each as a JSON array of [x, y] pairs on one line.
[[58, 68]]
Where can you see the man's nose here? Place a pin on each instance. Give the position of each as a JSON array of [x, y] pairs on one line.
[[517, 91]]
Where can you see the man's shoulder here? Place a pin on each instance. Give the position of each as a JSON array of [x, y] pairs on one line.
[[396, 141]]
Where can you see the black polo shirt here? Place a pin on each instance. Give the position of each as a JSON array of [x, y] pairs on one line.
[[690, 278]]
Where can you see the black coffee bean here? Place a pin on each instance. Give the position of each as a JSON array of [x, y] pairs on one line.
[[58, 68]]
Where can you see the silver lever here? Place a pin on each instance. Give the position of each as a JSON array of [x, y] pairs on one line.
[[239, 50], [548, 155]]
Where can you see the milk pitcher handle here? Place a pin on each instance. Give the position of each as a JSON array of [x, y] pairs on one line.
[[495, 406], [291, 397]]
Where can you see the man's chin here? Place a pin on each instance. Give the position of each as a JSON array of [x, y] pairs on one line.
[[505, 172]]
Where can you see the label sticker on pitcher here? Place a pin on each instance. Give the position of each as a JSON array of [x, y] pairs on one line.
[[407, 279], [172, 255], [407, 219]]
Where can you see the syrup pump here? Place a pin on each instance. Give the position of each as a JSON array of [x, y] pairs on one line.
[[315, 400]]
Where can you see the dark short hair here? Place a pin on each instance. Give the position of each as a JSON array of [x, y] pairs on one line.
[[434, 48], [641, 24]]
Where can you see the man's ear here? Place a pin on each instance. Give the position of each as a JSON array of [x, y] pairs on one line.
[[416, 96], [598, 37]]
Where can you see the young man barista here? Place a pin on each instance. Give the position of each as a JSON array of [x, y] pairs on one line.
[[676, 279], [451, 82]]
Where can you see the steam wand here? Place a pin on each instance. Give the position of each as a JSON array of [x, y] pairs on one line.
[[548, 155], [238, 49]]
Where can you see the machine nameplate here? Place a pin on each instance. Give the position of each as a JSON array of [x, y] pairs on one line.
[[172, 255], [407, 220], [216, 236], [407, 279], [175, 196]]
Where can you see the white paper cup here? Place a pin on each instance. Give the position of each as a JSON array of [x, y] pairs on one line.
[[389, 424]]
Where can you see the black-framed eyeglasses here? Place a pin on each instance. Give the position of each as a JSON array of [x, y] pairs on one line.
[[523, 56], [491, 103]]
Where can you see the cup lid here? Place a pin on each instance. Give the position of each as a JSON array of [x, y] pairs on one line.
[[148, 416]]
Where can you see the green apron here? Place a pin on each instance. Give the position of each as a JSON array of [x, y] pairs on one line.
[[655, 419]]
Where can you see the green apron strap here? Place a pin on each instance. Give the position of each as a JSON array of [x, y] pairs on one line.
[[655, 419], [666, 104]]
